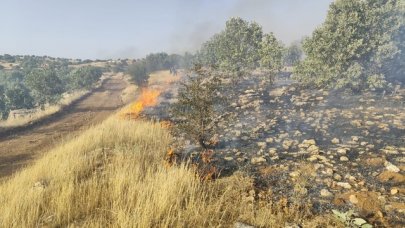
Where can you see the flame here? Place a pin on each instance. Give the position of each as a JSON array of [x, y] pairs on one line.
[[148, 98]]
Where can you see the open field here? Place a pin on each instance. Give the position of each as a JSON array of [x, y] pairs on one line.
[[19, 149]]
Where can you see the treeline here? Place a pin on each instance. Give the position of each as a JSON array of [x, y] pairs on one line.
[[35, 84], [140, 70]]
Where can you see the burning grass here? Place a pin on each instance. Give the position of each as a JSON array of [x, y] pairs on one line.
[[147, 98], [113, 175]]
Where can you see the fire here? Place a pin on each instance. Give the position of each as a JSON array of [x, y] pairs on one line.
[[148, 98]]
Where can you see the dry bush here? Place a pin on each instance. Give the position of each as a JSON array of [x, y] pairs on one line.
[[113, 176]]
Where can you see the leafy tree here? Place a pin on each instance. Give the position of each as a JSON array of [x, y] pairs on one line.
[[195, 112], [45, 86], [271, 53], [4, 110], [292, 55], [17, 96], [139, 73], [235, 49], [84, 77], [359, 46]]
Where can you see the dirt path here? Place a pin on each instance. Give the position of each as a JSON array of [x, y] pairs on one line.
[[20, 149]]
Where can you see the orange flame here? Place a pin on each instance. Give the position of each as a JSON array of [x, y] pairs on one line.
[[147, 98]]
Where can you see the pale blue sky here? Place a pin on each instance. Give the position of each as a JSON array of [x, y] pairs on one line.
[[132, 29]]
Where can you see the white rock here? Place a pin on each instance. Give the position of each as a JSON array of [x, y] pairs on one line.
[[344, 185], [325, 193], [258, 160], [344, 158], [391, 167]]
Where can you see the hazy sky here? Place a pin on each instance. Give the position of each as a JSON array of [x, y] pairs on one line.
[[132, 29]]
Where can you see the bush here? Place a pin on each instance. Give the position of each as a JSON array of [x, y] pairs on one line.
[[45, 86], [139, 73]]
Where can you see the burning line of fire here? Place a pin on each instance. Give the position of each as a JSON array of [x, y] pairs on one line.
[[147, 98]]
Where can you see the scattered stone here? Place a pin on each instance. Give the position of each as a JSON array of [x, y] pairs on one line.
[[394, 191], [325, 193], [228, 158], [391, 178], [344, 185], [313, 149], [257, 160], [353, 199], [341, 151], [391, 167], [375, 161], [337, 177], [344, 158], [335, 141]]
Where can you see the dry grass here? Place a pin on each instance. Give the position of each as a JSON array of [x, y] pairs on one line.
[[113, 176], [163, 77], [39, 114]]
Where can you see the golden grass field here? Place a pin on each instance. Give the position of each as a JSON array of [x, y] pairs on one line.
[[113, 175]]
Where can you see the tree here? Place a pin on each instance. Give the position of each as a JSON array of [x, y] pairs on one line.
[[45, 86], [235, 49], [292, 55], [195, 112], [139, 73], [359, 46], [271, 53], [4, 110], [17, 96], [83, 77]]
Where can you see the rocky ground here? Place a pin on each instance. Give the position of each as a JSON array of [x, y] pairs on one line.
[[333, 149]]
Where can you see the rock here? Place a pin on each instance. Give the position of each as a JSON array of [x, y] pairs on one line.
[[355, 138], [394, 191], [391, 178], [257, 160], [313, 149], [294, 174], [375, 161], [344, 158], [228, 158], [329, 171], [391, 167], [335, 141], [353, 199], [341, 151], [261, 144], [344, 185], [325, 193], [309, 142], [269, 140], [337, 177]]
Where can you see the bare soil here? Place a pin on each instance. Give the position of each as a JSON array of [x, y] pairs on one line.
[[20, 148]]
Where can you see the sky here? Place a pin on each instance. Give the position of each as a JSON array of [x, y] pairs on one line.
[[103, 29]]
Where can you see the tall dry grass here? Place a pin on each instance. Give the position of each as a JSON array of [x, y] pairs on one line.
[[113, 176]]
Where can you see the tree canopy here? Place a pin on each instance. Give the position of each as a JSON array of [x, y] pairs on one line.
[[359, 46]]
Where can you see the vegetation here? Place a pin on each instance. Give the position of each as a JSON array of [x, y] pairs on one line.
[[292, 55], [241, 47], [112, 176], [40, 81], [196, 107], [359, 46]]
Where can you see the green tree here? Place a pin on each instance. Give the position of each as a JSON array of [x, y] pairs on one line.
[[139, 73], [17, 96], [195, 111], [359, 46], [4, 110], [271, 53], [235, 49], [45, 86], [292, 55]]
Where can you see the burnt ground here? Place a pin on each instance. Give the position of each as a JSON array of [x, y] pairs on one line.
[[22, 147], [333, 149]]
